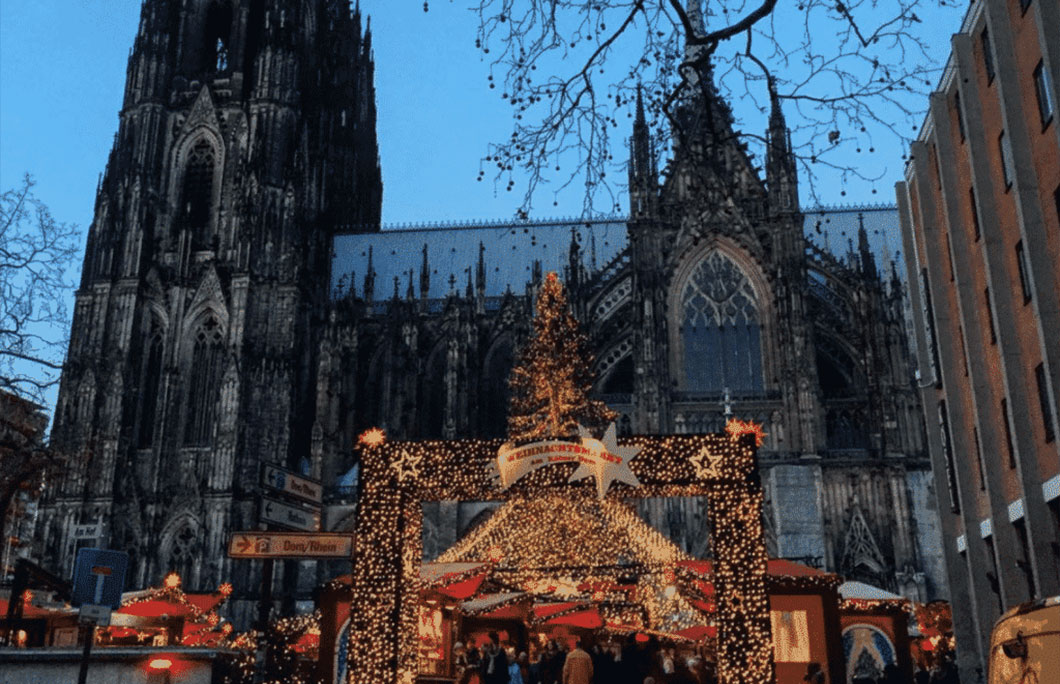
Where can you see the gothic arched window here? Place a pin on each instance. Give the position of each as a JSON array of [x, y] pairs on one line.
[[196, 197], [494, 393], [218, 34], [433, 394], [182, 551], [150, 385], [204, 382], [720, 331]]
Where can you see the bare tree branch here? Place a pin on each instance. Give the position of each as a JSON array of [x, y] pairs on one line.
[[36, 253], [852, 73]]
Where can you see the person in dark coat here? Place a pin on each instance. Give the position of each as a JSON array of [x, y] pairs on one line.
[[494, 664]]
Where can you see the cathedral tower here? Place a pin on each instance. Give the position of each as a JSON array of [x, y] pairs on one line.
[[246, 140]]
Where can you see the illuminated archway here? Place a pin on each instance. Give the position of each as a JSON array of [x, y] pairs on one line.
[[399, 476]]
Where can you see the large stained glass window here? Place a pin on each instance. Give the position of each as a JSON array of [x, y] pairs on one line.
[[720, 330]]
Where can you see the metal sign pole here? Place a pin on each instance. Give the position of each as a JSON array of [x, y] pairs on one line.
[[86, 652], [264, 609]]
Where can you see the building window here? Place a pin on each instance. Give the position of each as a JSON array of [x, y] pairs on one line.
[[992, 575], [1004, 147], [1044, 90], [150, 386], [979, 459], [960, 114], [975, 213], [938, 166], [1009, 446], [197, 194], [216, 38], [1043, 402], [949, 253], [720, 332], [1021, 264], [988, 54], [929, 318], [182, 553], [990, 315], [204, 383], [1024, 561], [964, 349], [947, 452]]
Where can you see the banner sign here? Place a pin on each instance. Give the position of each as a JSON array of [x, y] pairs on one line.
[[602, 459]]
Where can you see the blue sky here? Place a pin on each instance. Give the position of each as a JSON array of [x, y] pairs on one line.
[[62, 71]]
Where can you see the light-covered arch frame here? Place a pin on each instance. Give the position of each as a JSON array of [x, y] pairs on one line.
[[763, 294], [398, 476]]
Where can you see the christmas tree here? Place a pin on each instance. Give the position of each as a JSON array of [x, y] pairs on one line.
[[551, 379]]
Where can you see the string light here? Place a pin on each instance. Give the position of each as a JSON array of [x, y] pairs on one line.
[[552, 377], [722, 468], [372, 437]]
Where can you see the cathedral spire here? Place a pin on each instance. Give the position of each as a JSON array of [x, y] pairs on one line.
[[425, 275], [574, 261], [480, 271], [781, 177], [369, 278], [642, 174], [868, 262]]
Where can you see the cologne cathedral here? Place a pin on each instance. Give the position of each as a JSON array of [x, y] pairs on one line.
[[239, 306]]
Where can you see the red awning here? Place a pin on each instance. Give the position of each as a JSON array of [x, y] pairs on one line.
[[586, 619], [699, 632], [31, 611]]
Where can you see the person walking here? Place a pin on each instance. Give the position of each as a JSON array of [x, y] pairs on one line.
[[578, 667], [494, 661]]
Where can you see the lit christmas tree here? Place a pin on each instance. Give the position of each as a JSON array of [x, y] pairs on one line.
[[551, 379]]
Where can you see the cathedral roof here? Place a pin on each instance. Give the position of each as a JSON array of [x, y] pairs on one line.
[[510, 249], [835, 230], [509, 252]]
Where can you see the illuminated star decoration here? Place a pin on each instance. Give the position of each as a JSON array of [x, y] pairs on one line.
[[736, 427], [407, 466], [707, 464], [372, 437], [611, 464]]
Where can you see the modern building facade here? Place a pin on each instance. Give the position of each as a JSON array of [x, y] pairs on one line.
[[239, 307], [979, 211]]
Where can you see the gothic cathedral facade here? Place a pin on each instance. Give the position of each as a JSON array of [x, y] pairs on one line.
[[236, 310], [246, 137]]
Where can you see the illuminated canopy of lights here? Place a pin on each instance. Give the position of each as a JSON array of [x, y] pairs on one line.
[[398, 476]]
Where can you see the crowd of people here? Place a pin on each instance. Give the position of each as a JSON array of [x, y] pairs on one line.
[[624, 661]]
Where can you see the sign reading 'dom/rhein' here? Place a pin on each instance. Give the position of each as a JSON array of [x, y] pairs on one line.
[[289, 545], [602, 459]]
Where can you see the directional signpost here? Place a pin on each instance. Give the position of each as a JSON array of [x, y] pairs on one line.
[[293, 502], [290, 545], [276, 512], [289, 483], [99, 578], [87, 531]]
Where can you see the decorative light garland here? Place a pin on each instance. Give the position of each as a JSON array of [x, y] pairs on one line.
[[398, 476]]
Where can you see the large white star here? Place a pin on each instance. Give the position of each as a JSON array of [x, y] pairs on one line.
[[611, 463]]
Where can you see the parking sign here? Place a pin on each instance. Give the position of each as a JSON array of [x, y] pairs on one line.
[[99, 577]]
